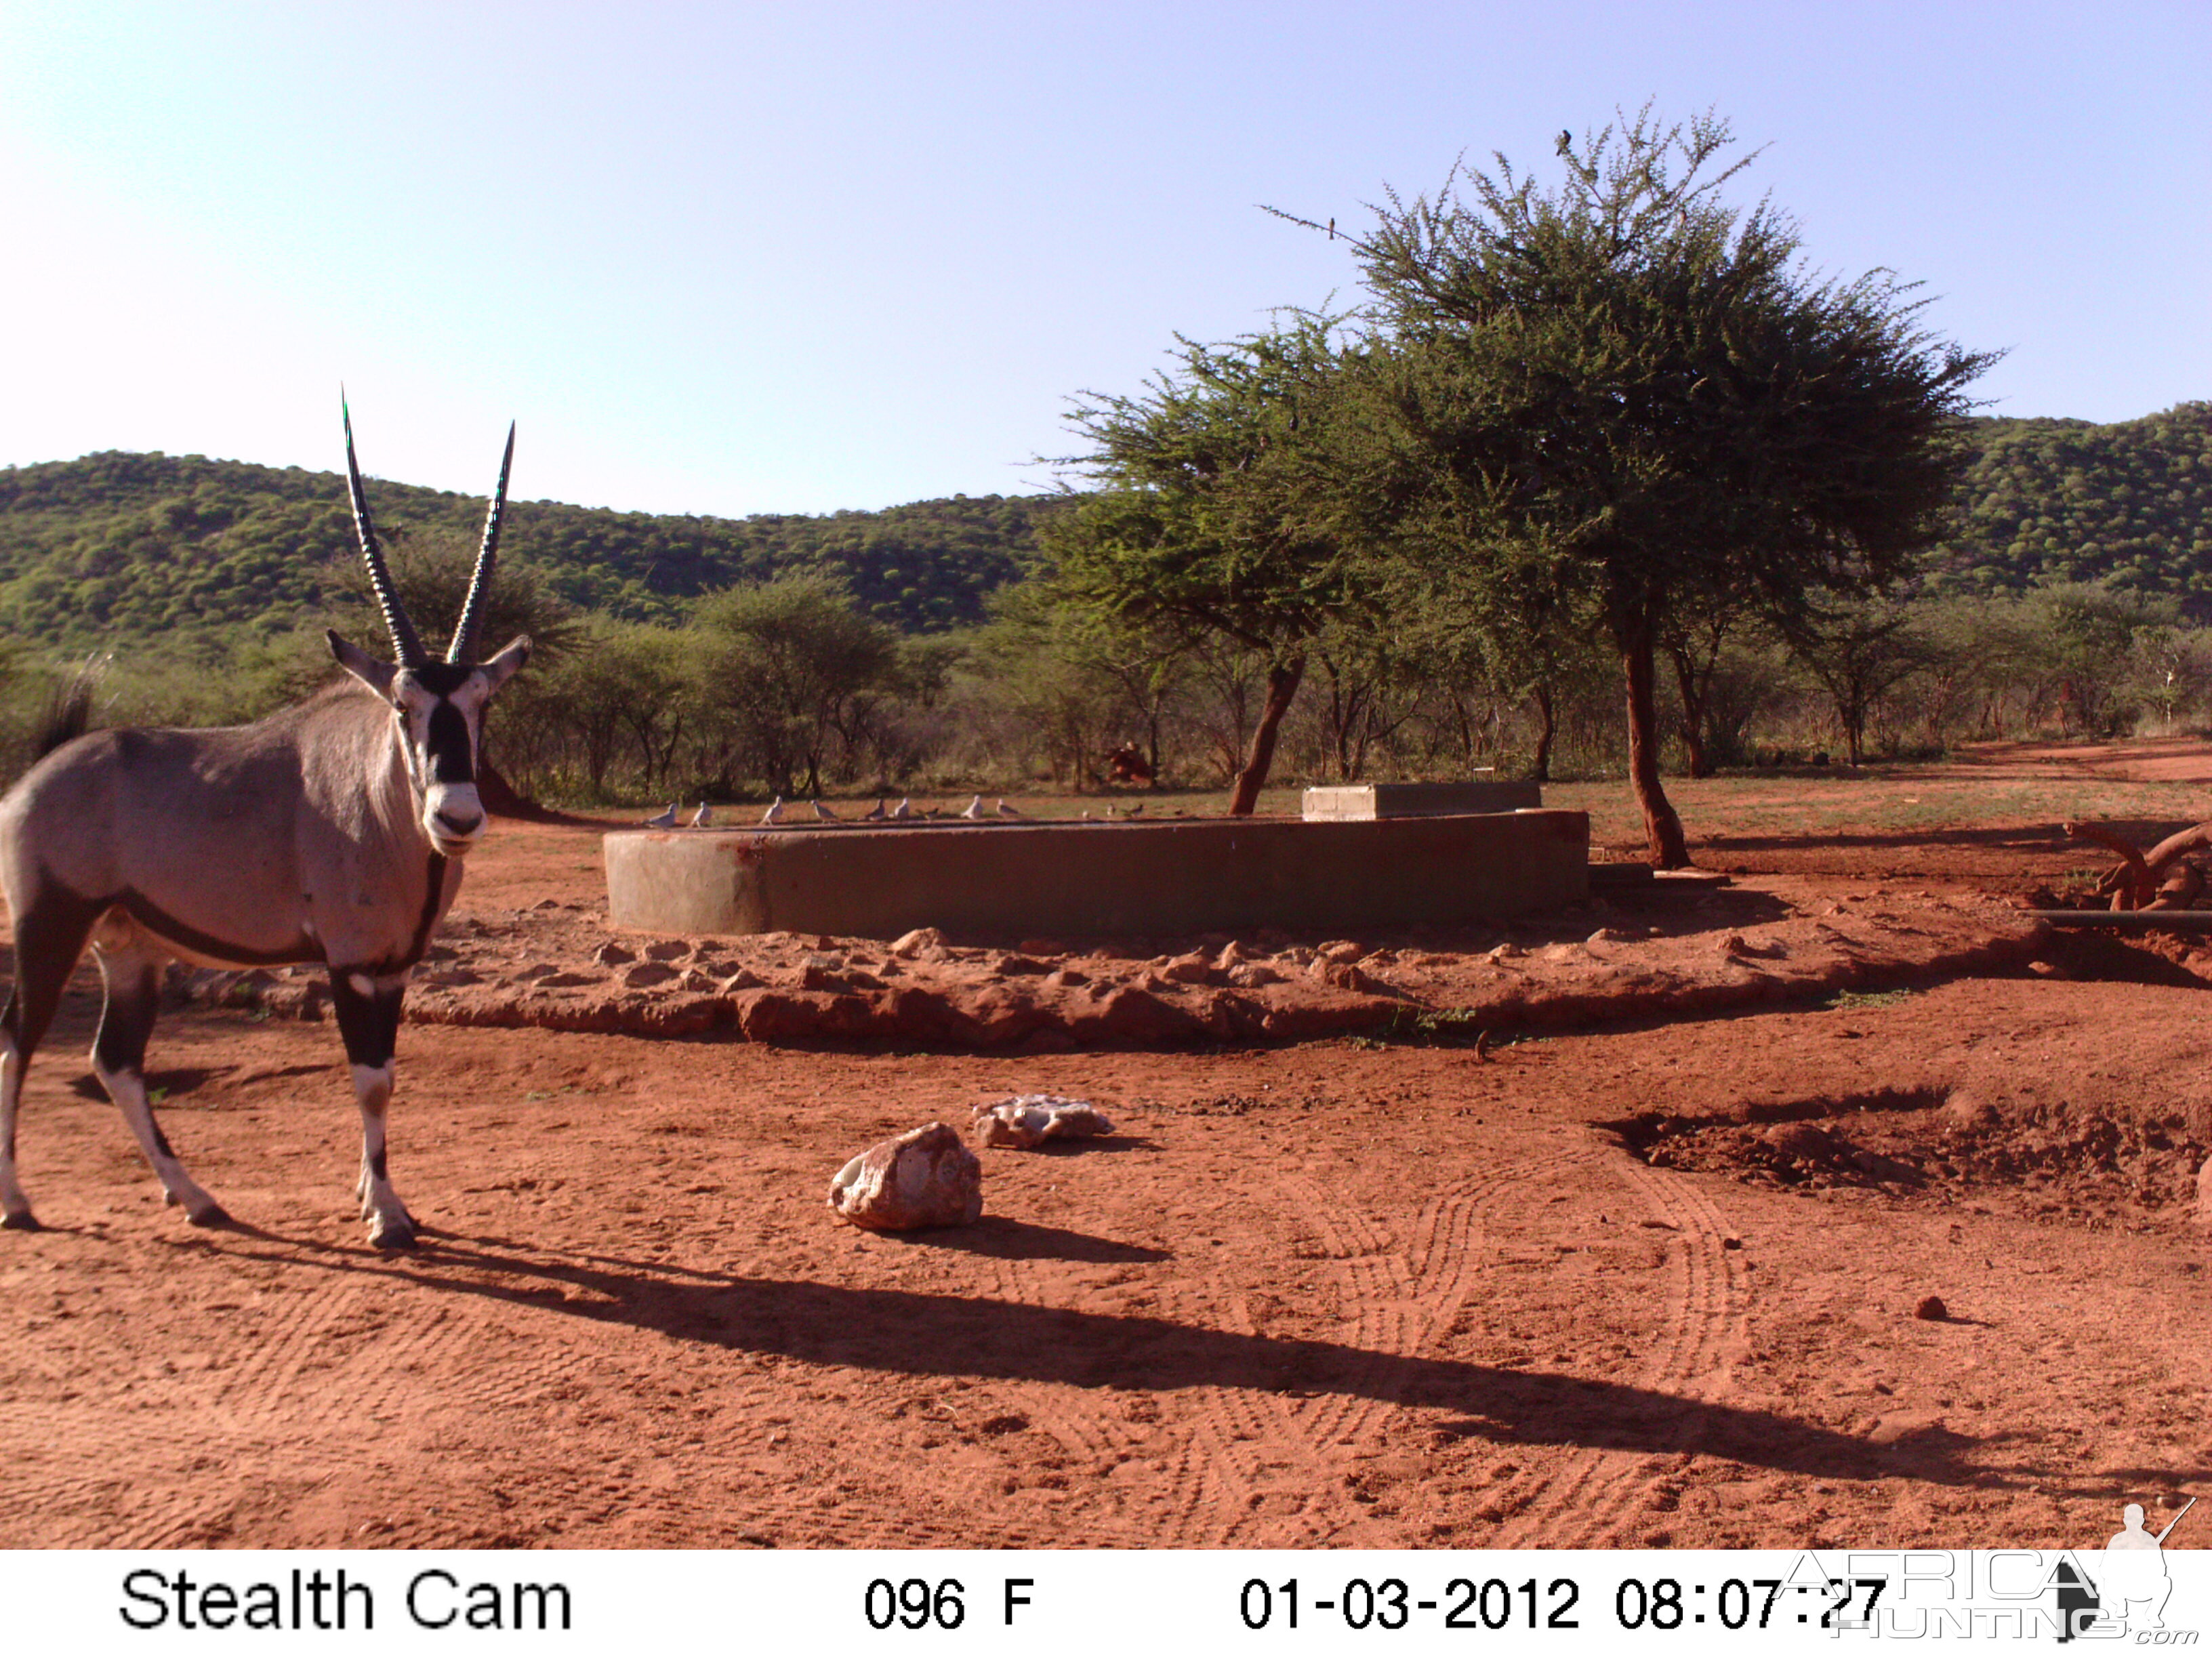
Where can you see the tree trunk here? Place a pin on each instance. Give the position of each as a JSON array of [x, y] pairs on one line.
[[1282, 685], [1662, 828], [1549, 715], [1696, 694]]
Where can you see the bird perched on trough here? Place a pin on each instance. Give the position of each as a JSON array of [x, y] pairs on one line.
[[775, 813], [823, 813], [704, 817], [665, 821], [974, 808], [1005, 811], [877, 816], [904, 809]]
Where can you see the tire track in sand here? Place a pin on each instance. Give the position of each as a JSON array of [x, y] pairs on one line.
[[1704, 1315], [1272, 1453]]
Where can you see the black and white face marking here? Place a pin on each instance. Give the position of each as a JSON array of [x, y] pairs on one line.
[[437, 710], [440, 710]]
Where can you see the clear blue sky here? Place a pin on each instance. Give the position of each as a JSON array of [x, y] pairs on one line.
[[738, 258]]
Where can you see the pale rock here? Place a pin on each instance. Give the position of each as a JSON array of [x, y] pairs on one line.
[[667, 950], [611, 955], [1192, 970], [926, 942], [1342, 950], [925, 1178], [1253, 975], [743, 980], [1029, 1121]]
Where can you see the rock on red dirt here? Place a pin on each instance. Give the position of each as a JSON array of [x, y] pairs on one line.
[[925, 1178]]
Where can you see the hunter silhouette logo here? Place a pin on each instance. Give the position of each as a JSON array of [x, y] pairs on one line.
[[2126, 1585]]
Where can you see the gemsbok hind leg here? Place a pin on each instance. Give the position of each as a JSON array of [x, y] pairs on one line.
[[133, 977], [50, 929], [368, 1020]]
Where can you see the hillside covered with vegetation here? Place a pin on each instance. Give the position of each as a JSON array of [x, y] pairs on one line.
[[2048, 501], [116, 546]]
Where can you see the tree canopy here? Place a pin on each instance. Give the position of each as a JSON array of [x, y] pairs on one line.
[[1635, 388], [1216, 509]]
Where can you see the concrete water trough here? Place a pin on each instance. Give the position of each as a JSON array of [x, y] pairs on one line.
[[1039, 878]]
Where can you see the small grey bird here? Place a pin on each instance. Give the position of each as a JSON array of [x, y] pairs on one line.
[[704, 817], [904, 809], [974, 808], [1137, 810], [665, 821], [877, 816], [1005, 811], [775, 813], [824, 813]]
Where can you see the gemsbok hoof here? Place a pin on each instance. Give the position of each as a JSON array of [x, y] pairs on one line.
[[209, 1215], [393, 1235], [22, 1221]]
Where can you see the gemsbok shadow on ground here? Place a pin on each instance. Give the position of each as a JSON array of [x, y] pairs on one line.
[[924, 1334]]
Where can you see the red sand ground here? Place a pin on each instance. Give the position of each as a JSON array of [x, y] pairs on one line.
[[1648, 1282]]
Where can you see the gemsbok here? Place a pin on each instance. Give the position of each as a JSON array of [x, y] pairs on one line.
[[331, 832]]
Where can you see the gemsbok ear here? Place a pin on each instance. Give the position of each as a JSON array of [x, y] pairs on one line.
[[376, 676], [501, 668]]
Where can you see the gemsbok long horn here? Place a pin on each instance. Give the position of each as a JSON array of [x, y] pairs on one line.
[[405, 641], [465, 631]]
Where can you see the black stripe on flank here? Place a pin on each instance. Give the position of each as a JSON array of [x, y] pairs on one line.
[[166, 927]]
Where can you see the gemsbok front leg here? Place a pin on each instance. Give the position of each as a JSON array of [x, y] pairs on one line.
[[367, 1008], [133, 977]]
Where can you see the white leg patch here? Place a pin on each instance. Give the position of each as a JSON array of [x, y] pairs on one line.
[[128, 1090], [14, 1204], [389, 1223]]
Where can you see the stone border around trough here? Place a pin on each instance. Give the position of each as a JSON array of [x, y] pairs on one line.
[[998, 1000]]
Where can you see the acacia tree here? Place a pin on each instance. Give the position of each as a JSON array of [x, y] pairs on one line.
[[1216, 513], [1861, 650], [1629, 383], [784, 662]]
